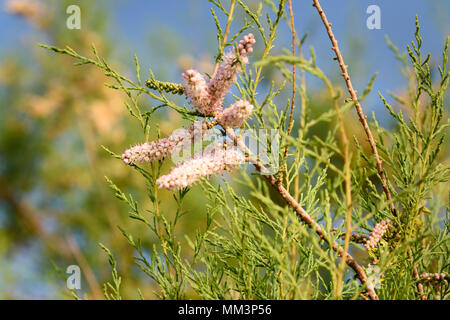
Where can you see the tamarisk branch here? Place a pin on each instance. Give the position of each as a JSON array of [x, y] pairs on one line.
[[354, 97]]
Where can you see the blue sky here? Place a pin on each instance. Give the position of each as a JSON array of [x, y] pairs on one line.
[[191, 31]]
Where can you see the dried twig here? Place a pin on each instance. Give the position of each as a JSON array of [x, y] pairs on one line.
[[362, 117], [227, 30]]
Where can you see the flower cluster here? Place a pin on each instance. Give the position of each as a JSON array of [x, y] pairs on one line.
[[208, 97], [196, 90], [235, 115], [377, 233], [433, 277], [245, 45], [437, 280], [192, 170], [229, 68], [162, 148]]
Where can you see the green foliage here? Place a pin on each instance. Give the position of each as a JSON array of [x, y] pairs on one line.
[[112, 290], [251, 244]]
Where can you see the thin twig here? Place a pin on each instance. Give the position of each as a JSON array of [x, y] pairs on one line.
[[158, 219], [227, 30], [268, 45], [302, 116], [362, 117]]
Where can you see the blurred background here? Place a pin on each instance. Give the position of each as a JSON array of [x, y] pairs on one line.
[[55, 204]]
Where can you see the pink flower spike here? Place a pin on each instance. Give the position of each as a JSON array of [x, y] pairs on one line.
[[377, 233], [201, 165], [226, 75], [162, 148], [235, 115], [197, 91]]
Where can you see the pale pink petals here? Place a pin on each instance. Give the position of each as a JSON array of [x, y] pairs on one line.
[[433, 276], [208, 98], [227, 72], [377, 233], [235, 115], [162, 148], [437, 280], [201, 165], [197, 91], [224, 78]]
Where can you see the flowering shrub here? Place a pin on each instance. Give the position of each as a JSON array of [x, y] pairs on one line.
[[336, 207]]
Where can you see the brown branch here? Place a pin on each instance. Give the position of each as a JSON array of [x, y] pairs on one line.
[[303, 215], [302, 115], [158, 219], [362, 117], [363, 296]]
